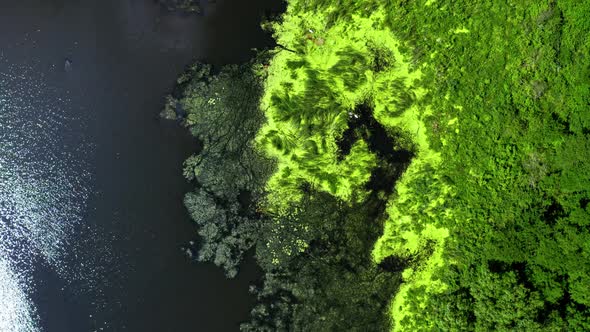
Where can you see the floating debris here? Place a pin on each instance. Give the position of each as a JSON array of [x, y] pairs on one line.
[[68, 65]]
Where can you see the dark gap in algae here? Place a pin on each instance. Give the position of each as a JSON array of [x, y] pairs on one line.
[[362, 125], [392, 163], [395, 263]]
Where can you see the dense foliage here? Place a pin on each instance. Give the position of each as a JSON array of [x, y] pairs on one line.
[[488, 228], [492, 213], [222, 112], [510, 86], [316, 254], [319, 272]]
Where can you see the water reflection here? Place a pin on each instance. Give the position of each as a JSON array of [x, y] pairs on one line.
[[90, 233], [44, 186], [17, 313]]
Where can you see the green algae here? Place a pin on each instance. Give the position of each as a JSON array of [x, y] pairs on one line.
[[309, 95], [490, 98]]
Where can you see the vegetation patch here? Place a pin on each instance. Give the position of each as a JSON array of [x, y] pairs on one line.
[[316, 252], [414, 166], [492, 99]]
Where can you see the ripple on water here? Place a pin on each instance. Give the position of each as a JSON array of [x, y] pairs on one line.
[[44, 188]]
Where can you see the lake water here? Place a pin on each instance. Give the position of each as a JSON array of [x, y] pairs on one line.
[[91, 215]]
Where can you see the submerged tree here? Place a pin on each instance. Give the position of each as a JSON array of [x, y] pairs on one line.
[[222, 111], [318, 274], [188, 6], [493, 214]]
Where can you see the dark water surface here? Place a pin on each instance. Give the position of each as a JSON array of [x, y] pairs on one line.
[[91, 215]]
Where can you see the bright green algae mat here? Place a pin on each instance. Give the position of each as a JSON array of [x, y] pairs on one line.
[[493, 98]]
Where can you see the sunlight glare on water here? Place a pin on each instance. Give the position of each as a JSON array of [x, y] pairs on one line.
[[16, 313], [44, 188]]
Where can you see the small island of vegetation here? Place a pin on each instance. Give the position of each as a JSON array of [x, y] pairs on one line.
[[404, 166]]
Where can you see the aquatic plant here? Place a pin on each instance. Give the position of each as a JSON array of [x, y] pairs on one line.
[[485, 229], [492, 211], [221, 110]]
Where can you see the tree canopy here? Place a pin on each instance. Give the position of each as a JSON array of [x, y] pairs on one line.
[[412, 165]]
